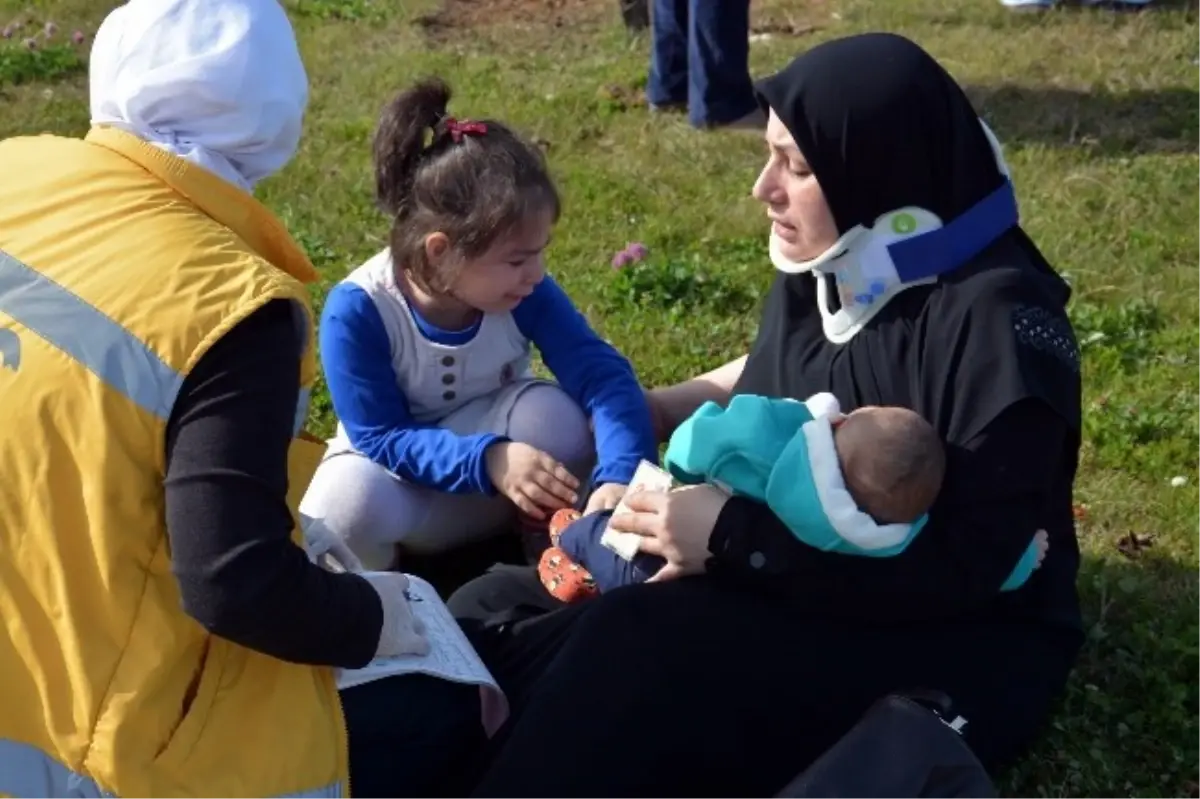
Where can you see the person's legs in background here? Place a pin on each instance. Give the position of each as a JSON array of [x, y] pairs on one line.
[[700, 60], [720, 92], [412, 735], [667, 88]]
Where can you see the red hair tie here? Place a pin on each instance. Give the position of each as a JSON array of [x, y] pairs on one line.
[[458, 129]]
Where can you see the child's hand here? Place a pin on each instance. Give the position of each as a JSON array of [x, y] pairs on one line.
[[606, 497], [535, 482]]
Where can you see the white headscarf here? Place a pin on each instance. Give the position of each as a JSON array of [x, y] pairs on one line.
[[219, 83]]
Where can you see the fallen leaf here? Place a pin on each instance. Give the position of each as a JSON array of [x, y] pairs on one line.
[[622, 97], [1131, 545]]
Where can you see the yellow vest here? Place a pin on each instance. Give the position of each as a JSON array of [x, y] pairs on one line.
[[120, 265]]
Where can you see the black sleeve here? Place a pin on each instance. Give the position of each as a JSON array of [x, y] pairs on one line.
[[228, 523], [995, 498]]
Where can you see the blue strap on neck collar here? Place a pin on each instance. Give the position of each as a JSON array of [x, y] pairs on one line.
[[949, 247]]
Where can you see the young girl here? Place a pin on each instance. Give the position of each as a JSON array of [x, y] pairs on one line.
[[444, 435]]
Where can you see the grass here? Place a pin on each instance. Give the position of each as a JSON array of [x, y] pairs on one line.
[[1098, 113]]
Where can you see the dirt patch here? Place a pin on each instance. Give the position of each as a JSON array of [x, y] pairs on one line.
[[770, 18], [456, 16], [787, 18]]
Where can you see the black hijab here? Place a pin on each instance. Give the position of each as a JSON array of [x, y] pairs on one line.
[[883, 126]]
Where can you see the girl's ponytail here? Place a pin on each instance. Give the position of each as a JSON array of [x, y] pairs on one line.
[[400, 140], [473, 181]]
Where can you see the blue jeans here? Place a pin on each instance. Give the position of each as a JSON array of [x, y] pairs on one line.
[[701, 57]]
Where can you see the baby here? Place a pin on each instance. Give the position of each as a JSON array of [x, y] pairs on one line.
[[859, 484]]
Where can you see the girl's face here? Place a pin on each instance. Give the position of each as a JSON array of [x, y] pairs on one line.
[[498, 280], [800, 217]]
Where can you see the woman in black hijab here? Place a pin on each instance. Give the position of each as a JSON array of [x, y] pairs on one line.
[[904, 279]]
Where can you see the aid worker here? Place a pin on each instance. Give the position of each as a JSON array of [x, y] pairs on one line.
[[162, 629]]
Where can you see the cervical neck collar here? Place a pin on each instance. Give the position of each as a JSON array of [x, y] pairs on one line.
[[903, 248]]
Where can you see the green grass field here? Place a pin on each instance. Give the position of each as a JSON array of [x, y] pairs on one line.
[[1098, 113]]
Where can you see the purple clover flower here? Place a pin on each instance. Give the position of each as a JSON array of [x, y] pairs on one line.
[[637, 251]]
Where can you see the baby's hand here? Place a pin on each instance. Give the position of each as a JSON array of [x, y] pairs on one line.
[[1042, 541]]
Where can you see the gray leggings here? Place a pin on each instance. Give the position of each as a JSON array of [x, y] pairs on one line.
[[373, 510]]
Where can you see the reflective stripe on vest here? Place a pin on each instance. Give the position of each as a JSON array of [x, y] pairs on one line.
[[96, 342], [126, 365], [26, 771], [301, 410], [100, 345]]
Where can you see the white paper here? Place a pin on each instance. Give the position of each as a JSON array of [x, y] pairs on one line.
[[648, 477], [451, 656]]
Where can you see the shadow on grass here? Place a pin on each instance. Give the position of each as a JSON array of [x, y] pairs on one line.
[[1187, 5], [1118, 125], [1127, 725]]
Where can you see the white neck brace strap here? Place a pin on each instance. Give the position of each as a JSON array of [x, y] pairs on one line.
[[903, 248]]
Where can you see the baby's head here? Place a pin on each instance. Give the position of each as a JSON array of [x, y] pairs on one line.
[[892, 462], [472, 203]]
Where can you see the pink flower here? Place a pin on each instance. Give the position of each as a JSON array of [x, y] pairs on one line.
[[78, 37], [31, 44], [621, 260], [637, 251], [51, 29], [8, 31]]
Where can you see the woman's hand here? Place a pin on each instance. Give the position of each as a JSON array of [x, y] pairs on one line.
[[535, 482], [606, 497], [675, 526]]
